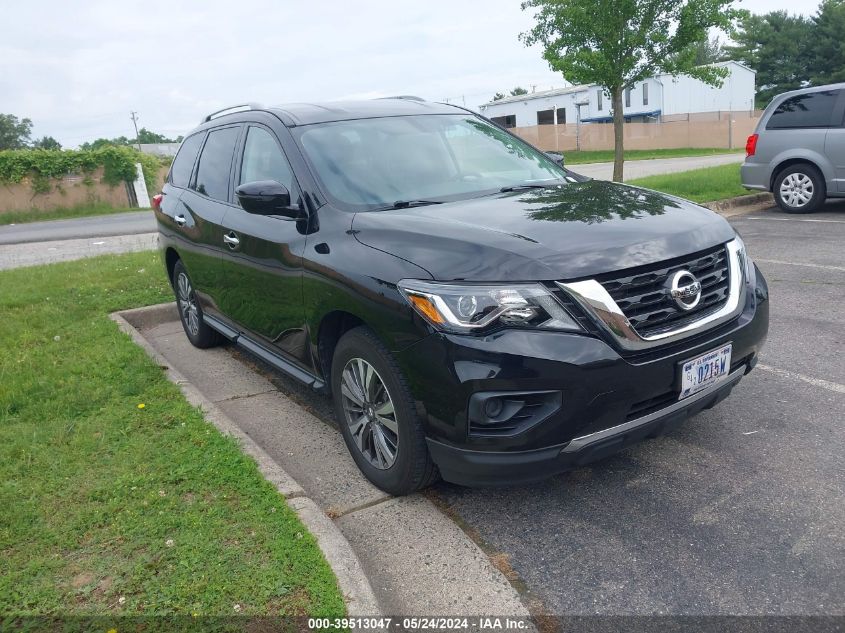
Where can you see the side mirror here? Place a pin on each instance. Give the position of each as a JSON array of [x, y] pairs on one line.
[[266, 197], [556, 157]]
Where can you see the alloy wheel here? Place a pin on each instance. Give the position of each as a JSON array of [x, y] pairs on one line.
[[369, 412], [797, 189], [188, 304]]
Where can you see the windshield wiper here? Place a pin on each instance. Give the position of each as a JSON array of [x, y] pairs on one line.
[[405, 204], [528, 185]]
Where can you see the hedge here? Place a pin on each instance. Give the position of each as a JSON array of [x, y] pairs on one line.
[[42, 166]]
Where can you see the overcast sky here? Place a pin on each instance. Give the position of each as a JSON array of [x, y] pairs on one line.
[[76, 68]]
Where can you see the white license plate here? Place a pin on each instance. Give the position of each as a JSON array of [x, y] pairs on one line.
[[705, 371]]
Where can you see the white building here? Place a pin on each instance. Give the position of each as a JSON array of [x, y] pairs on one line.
[[646, 101]]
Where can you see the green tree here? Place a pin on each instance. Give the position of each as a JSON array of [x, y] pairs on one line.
[[708, 51], [498, 97], [46, 142], [100, 143], [518, 91], [144, 136], [776, 45], [617, 43], [14, 132], [827, 44]]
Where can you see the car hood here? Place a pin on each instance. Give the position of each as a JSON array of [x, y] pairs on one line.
[[564, 233]]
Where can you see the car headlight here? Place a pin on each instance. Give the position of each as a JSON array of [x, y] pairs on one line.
[[471, 308]]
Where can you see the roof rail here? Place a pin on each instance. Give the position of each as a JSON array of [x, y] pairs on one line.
[[239, 107], [408, 97]]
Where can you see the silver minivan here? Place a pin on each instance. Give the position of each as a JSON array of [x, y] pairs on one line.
[[797, 150]]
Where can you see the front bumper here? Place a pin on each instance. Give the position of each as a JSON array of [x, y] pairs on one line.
[[605, 402], [485, 468]]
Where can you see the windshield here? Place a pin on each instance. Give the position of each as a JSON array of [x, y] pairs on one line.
[[375, 163]]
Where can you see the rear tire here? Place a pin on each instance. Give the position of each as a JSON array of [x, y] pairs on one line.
[[799, 189], [190, 312], [377, 416]]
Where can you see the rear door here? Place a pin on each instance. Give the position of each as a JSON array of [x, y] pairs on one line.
[[262, 264], [204, 204], [171, 212], [834, 144]]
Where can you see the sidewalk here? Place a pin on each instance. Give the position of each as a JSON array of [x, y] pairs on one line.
[[652, 167], [416, 559], [35, 253]]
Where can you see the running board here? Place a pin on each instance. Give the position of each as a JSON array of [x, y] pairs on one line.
[[272, 359]]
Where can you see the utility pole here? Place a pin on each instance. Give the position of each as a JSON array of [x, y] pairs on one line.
[[134, 116]]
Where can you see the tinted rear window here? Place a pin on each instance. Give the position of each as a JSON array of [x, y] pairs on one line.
[[180, 173], [812, 109], [215, 163]]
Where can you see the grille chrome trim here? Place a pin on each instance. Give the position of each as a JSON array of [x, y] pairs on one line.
[[597, 302]]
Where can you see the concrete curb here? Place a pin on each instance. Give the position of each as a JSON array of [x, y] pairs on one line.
[[353, 582], [741, 202]]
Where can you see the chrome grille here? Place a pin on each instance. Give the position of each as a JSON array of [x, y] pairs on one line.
[[643, 294]]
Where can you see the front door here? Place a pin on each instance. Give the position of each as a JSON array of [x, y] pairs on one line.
[[262, 262]]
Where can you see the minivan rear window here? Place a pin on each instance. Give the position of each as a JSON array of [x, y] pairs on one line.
[[812, 109], [183, 164]]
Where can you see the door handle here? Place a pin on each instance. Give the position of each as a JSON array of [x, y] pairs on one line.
[[231, 239], [179, 219]]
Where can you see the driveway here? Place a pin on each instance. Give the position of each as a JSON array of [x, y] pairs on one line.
[[740, 511], [642, 168]]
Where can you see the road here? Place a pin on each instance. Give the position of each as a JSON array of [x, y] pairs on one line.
[[740, 511], [642, 168], [131, 223]]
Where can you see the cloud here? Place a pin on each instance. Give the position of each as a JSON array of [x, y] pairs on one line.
[[78, 68]]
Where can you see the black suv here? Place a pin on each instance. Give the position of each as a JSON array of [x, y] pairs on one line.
[[474, 308]]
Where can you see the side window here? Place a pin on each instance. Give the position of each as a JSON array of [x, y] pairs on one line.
[[599, 99], [645, 94], [215, 163], [813, 109], [264, 160], [183, 164]]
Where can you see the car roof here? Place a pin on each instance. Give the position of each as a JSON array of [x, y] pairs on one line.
[[801, 91], [294, 114]]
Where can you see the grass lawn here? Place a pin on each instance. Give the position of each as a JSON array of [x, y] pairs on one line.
[[699, 185], [117, 497], [37, 215], [606, 156]]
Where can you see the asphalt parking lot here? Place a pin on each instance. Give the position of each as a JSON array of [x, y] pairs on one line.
[[740, 511]]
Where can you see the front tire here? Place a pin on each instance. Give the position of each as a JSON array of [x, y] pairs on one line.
[[190, 312], [799, 189], [377, 416]]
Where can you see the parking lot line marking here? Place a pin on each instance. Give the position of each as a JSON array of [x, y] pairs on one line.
[[780, 261], [752, 217], [818, 382]]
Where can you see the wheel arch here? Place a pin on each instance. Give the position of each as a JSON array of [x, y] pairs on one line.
[[170, 259], [796, 160], [332, 327]]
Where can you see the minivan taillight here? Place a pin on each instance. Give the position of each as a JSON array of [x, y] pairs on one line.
[[751, 145], [157, 201]]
